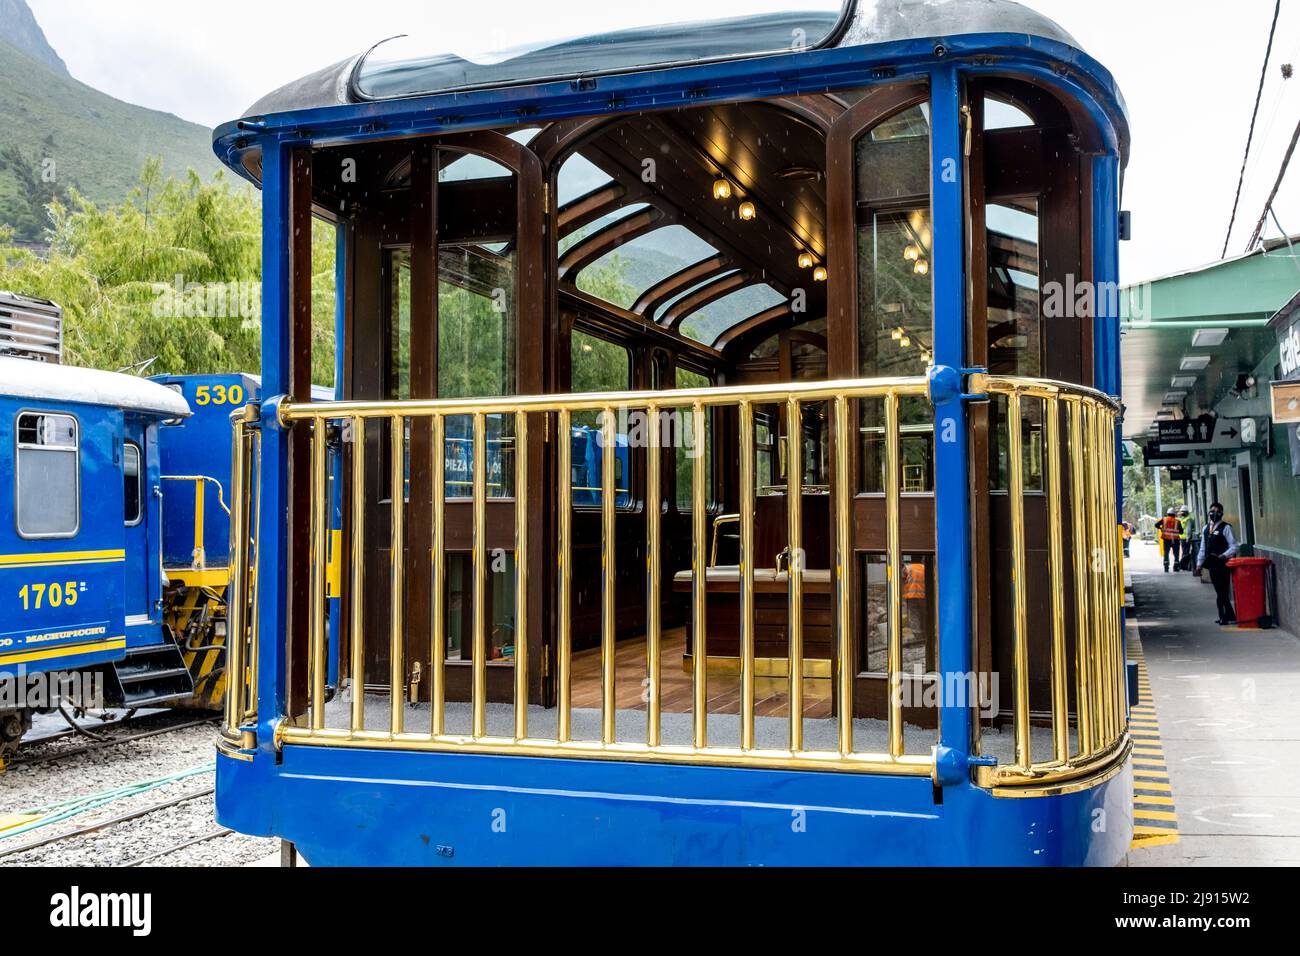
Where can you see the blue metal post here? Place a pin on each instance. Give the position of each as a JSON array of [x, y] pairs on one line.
[[951, 465], [272, 531]]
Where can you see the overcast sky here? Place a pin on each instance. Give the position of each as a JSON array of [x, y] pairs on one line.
[[1189, 71]]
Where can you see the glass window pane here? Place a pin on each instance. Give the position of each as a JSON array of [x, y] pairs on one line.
[[1014, 322], [644, 262], [691, 451], [918, 624], [895, 310], [715, 318], [577, 177], [131, 483], [637, 37], [599, 366], [893, 160], [916, 446], [48, 476], [572, 239]]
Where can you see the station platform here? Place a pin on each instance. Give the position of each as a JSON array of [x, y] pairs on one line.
[[1216, 730]]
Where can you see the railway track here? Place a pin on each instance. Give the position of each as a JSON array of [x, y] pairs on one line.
[[32, 759]]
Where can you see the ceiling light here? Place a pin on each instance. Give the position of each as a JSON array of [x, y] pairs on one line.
[[1174, 398], [922, 267], [722, 189], [747, 211], [819, 274], [806, 260], [905, 342], [912, 252], [1183, 381], [1208, 338], [896, 334], [1195, 363]]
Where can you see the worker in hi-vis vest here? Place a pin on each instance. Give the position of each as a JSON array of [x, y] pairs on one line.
[[914, 596], [1171, 538], [1188, 525]]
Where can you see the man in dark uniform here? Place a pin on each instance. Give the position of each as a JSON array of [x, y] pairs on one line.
[[1218, 546]]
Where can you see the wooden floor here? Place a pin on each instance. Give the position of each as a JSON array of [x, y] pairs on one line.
[[771, 695]]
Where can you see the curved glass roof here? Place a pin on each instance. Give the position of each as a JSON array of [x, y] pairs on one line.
[[715, 318], [621, 275], [622, 212], [408, 66]]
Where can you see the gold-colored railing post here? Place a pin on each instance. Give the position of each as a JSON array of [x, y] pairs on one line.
[[654, 576], [747, 556], [237, 604], [608, 563], [521, 575], [894, 572], [356, 599], [1105, 446], [397, 544], [699, 567], [843, 576], [200, 552], [1020, 623], [438, 655], [564, 670], [1079, 549], [480, 570], [1096, 643], [1056, 568], [794, 564], [319, 538]]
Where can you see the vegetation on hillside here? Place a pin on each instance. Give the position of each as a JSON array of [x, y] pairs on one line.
[[62, 136]]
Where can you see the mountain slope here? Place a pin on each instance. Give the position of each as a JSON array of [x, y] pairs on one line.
[[18, 28], [60, 134]]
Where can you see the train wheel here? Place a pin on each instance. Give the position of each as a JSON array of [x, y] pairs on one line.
[[14, 724]]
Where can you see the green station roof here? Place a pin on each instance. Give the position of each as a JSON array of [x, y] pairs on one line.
[[1195, 331]]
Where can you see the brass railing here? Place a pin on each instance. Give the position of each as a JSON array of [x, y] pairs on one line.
[[313, 729], [241, 593], [1086, 454], [1098, 697]]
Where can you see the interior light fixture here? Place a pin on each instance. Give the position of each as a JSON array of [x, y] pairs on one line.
[[896, 334], [722, 189], [806, 260], [912, 252], [747, 211], [922, 267], [819, 274], [1194, 363], [1183, 381], [905, 341]]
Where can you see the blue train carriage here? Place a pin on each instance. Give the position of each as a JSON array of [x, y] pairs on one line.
[[804, 272], [195, 455], [81, 583]]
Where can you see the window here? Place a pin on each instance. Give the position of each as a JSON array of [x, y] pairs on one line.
[[689, 449], [598, 366], [918, 624], [620, 276], [132, 486], [48, 469]]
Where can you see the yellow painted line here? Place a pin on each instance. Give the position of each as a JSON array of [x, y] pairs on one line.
[[1143, 840], [1154, 815], [1150, 772], [60, 557], [67, 650]]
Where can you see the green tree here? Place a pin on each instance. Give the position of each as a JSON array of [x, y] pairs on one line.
[[168, 279]]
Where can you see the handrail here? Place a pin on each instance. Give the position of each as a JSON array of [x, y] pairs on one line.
[[1088, 716], [199, 552], [312, 727], [1101, 731], [242, 594]]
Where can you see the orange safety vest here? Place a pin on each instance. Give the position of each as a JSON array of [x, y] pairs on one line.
[[1170, 529], [914, 583]]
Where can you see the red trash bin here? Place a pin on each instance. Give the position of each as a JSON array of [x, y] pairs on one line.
[[1250, 589]]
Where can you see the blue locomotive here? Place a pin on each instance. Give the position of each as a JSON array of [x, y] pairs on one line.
[[81, 518]]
